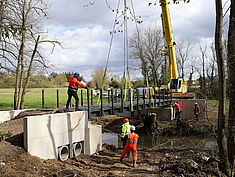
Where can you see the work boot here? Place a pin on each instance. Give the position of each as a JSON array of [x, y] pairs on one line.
[[76, 105], [134, 163]]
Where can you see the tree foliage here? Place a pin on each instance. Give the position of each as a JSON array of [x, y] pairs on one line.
[[20, 53]]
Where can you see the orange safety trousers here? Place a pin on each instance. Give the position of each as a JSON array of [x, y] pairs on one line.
[[131, 146]]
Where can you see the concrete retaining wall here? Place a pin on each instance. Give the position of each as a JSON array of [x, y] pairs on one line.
[[161, 113], [187, 106], [44, 134], [93, 141], [8, 115]]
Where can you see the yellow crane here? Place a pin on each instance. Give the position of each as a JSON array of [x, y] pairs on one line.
[[177, 85]]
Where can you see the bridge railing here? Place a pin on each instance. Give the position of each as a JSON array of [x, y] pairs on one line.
[[102, 102]]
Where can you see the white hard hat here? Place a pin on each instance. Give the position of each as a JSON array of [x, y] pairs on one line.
[[132, 128], [195, 103]]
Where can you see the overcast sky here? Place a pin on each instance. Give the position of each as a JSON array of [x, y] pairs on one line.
[[83, 30]]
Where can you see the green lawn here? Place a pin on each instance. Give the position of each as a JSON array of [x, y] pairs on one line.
[[33, 98]]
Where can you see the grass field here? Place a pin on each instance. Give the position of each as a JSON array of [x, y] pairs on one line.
[[33, 98]]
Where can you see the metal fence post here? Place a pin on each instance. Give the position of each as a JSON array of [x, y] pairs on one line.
[[112, 101], [43, 100], [150, 98], [163, 97], [101, 103], [143, 98], [155, 96], [108, 96], [122, 101], [130, 100], [91, 97], [81, 97], [57, 99], [138, 97], [159, 97], [88, 104]]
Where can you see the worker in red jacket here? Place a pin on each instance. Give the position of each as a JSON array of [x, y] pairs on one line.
[[196, 111], [177, 110], [74, 83], [131, 146]]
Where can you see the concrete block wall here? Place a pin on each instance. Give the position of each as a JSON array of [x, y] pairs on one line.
[[44, 134], [187, 106], [8, 115], [161, 113], [93, 141]]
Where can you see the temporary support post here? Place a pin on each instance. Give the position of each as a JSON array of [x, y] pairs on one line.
[[88, 103], [122, 101], [81, 97], [43, 99], [101, 103], [57, 99], [112, 109]]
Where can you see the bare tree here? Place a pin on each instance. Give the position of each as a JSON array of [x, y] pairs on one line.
[[21, 50], [183, 50], [231, 80], [221, 140], [97, 77], [147, 51]]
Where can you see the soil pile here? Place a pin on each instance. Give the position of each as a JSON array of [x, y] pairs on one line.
[[14, 161]]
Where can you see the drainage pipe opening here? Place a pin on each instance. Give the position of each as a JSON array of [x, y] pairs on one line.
[[77, 149], [63, 153]]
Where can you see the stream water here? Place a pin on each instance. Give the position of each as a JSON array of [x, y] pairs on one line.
[[202, 143]]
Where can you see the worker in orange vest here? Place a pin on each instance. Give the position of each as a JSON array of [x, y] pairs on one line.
[[196, 111], [74, 83], [177, 110], [131, 146]]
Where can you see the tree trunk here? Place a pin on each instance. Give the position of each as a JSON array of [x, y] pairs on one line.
[[222, 88], [231, 69], [29, 73]]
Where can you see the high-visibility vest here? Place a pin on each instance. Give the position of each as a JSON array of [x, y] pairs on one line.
[[126, 129], [132, 141]]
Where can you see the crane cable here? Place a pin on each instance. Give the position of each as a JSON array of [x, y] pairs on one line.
[[138, 44], [109, 50], [125, 51]]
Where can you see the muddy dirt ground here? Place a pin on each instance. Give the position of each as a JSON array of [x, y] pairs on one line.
[[14, 161]]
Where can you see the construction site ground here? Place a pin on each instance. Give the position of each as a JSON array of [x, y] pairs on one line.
[[14, 161]]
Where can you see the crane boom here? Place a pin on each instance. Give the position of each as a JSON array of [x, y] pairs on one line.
[[177, 85], [167, 31]]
